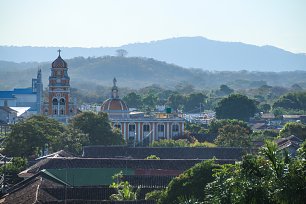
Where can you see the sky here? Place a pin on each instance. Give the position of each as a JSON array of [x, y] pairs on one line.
[[107, 23]]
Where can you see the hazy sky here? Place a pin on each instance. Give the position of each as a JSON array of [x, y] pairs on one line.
[[95, 23]]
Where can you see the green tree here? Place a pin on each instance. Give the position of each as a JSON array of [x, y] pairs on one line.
[[194, 101], [72, 140], [28, 138], [176, 101], [149, 101], [133, 100], [215, 125], [264, 107], [233, 136], [293, 100], [236, 106], [270, 177], [294, 128], [123, 188], [190, 184], [98, 128], [12, 169]]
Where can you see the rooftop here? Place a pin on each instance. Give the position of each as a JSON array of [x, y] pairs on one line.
[[234, 153]]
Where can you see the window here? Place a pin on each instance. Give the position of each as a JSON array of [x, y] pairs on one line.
[[62, 101], [175, 130], [160, 130], [54, 101], [62, 112], [146, 128], [132, 128]]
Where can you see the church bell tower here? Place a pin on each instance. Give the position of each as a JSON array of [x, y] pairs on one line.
[[59, 106]]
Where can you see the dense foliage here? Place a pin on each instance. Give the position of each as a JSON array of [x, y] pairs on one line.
[[190, 184], [98, 128], [294, 128], [270, 177], [233, 136], [180, 143], [31, 137], [236, 106], [292, 100], [12, 169]]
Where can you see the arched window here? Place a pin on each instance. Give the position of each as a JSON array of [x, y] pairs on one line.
[[62, 112], [55, 101], [62, 101]]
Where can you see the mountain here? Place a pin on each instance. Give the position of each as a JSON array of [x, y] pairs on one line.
[[138, 72], [195, 52]]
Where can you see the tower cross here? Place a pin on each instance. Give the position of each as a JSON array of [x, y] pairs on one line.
[[114, 81], [59, 52]]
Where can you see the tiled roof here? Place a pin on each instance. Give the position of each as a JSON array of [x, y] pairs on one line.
[[42, 189], [162, 152], [31, 191], [6, 94], [162, 164]]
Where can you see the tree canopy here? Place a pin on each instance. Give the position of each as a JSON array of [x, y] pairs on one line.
[[98, 128], [236, 106], [31, 137], [190, 184], [294, 128], [293, 100]]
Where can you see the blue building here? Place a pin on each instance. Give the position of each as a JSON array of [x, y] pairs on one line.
[[25, 97]]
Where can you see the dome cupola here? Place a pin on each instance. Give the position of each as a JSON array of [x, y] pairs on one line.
[[114, 106], [59, 62]]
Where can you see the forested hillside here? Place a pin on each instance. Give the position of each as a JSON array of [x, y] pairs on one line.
[[135, 72]]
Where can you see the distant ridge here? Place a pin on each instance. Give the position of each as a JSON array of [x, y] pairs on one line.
[[190, 52]]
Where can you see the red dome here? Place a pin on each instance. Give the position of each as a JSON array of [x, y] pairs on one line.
[[114, 104]]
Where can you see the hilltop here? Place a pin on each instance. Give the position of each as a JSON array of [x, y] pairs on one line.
[[189, 52]]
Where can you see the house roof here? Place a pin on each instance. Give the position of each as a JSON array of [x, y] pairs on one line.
[[60, 153], [76, 163], [32, 190], [162, 152]]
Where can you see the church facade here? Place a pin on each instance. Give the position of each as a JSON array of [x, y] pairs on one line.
[[136, 126], [59, 104]]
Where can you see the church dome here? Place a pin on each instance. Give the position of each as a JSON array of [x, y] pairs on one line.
[[59, 62], [114, 104]]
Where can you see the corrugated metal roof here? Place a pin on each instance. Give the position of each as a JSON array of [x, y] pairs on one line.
[[6, 94], [23, 91]]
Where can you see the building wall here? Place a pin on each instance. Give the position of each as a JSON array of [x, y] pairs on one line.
[[10, 102], [153, 132]]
